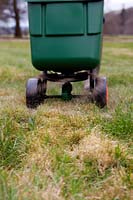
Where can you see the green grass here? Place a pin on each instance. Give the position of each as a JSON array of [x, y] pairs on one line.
[[66, 150]]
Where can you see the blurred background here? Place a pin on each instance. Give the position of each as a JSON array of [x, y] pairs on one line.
[[14, 18]]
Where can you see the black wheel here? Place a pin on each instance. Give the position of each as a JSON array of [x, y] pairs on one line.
[[100, 92], [66, 91], [35, 92]]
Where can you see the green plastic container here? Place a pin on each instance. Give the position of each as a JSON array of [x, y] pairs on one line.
[[66, 35]]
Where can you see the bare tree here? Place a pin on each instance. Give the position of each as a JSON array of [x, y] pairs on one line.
[[11, 9], [123, 19]]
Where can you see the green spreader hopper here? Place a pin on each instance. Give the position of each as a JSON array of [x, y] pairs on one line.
[[66, 45]]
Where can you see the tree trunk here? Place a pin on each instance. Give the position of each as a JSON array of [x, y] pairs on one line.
[[123, 19], [18, 32]]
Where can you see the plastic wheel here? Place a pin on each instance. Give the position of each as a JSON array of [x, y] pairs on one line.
[[66, 91], [100, 92], [35, 91]]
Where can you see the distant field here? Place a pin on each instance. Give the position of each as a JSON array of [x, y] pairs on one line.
[[66, 150]]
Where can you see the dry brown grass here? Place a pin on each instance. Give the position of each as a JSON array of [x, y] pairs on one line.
[[97, 147], [112, 188]]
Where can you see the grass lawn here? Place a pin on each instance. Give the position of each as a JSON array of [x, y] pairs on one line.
[[66, 150]]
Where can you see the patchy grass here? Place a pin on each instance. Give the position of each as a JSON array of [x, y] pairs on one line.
[[66, 150]]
